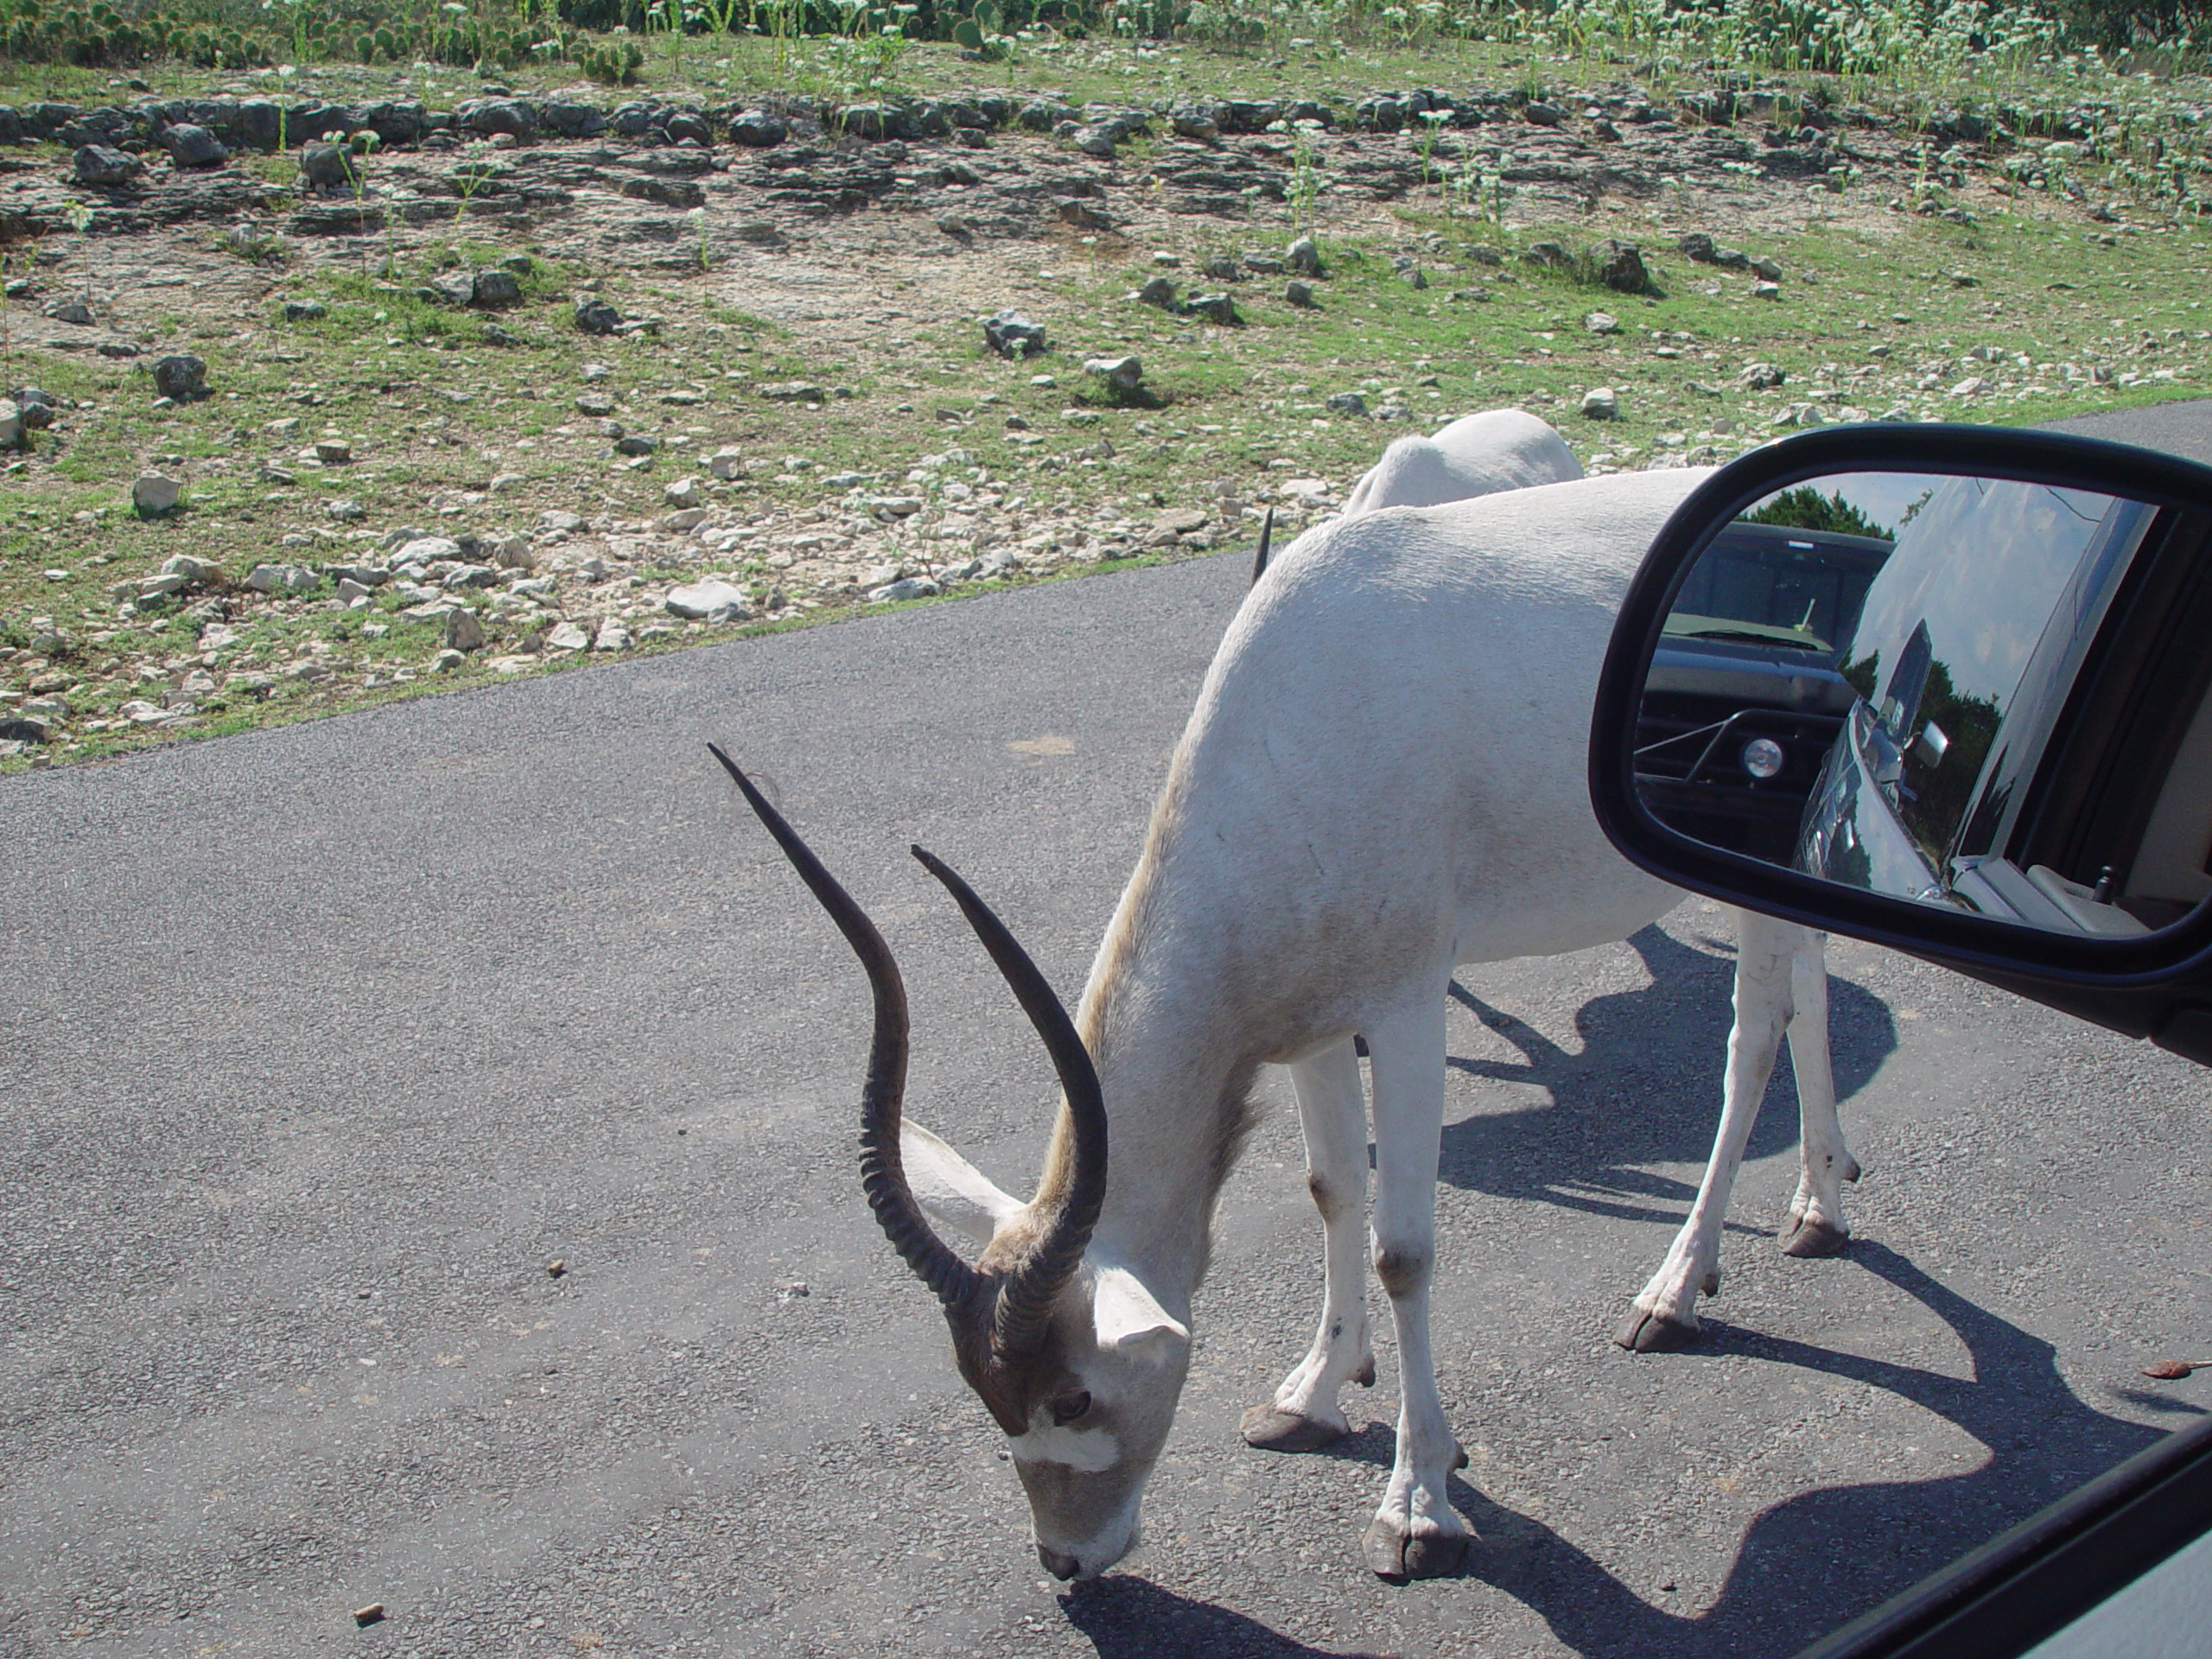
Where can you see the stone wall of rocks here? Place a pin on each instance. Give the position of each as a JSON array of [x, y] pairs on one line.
[[202, 131]]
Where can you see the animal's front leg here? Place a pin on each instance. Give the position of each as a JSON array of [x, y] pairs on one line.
[[1304, 1414], [1417, 1534], [1814, 1224], [1665, 1313]]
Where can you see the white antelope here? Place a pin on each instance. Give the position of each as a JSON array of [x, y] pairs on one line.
[[1383, 778]]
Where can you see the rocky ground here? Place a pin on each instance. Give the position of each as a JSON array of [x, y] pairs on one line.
[[661, 371]]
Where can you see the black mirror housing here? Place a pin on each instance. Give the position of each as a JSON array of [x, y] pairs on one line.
[[2146, 980]]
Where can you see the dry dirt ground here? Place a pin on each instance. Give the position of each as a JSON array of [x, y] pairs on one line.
[[813, 235]]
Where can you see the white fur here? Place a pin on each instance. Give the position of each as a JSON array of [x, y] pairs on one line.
[[951, 1189], [1476, 455], [1383, 778], [1091, 1450]]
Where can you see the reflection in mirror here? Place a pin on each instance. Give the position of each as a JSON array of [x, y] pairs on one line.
[[1861, 677]]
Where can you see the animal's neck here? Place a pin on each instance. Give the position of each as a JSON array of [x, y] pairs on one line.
[[1174, 1072]]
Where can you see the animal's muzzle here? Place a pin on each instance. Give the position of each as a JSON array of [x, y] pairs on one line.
[[1062, 1568]]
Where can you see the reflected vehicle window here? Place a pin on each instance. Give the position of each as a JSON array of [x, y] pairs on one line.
[[1742, 701], [1937, 658], [1770, 581]]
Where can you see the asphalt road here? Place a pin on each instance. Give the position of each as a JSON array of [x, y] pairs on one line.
[[321, 1044]]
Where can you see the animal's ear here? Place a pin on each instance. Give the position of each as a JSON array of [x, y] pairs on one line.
[[951, 1189], [1125, 1320]]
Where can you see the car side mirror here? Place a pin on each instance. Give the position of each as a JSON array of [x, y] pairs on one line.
[[1944, 687]]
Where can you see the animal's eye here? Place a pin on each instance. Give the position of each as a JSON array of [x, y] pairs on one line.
[[1068, 1406]]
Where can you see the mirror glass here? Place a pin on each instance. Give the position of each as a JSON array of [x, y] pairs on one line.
[[1971, 692]]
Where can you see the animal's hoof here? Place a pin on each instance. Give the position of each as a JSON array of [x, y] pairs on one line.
[[1273, 1430], [1391, 1554], [1655, 1333], [1851, 1170], [1814, 1238]]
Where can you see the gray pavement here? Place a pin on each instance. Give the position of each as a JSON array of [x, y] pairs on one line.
[[321, 1044]]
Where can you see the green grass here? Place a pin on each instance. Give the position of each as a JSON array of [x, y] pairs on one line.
[[431, 410]]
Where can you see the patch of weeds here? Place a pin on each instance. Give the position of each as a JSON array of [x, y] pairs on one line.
[[256, 243]]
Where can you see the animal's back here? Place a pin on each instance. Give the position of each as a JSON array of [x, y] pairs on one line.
[[1476, 455], [1390, 750]]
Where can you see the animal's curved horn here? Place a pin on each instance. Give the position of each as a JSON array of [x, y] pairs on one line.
[[1026, 1298], [883, 1175], [1260, 558]]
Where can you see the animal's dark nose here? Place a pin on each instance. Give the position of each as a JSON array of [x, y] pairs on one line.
[[1060, 1566]]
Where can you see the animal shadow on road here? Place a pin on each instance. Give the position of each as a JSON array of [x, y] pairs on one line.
[[1133, 1618], [1644, 1088], [1817, 1561], [1807, 1565]]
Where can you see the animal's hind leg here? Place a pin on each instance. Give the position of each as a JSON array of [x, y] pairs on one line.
[[1665, 1313], [1814, 1224], [1417, 1534], [1304, 1414]]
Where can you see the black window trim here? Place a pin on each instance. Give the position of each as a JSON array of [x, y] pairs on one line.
[[2028, 1583]]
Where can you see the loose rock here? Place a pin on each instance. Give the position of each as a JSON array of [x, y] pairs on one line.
[[597, 316], [494, 288], [1304, 257], [281, 579], [1012, 334], [190, 145], [196, 572], [104, 168], [1620, 266], [708, 601], [756, 130], [463, 631], [905, 588], [183, 377], [154, 494], [1601, 403], [1123, 374], [327, 167]]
